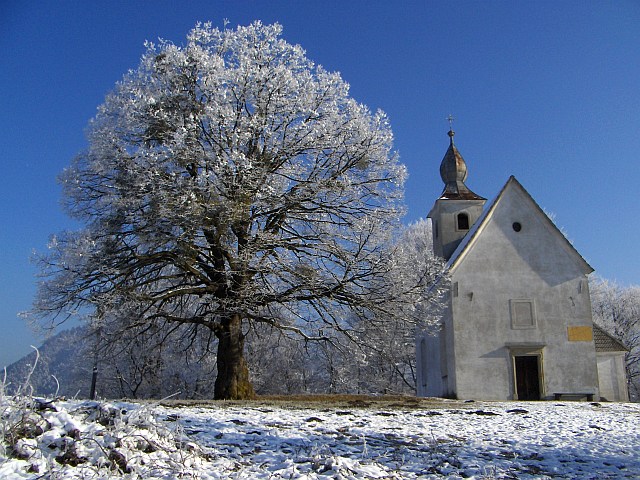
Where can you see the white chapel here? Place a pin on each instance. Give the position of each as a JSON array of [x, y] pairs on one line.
[[517, 322]]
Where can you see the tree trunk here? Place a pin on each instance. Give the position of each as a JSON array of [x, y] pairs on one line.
[[232, 382]]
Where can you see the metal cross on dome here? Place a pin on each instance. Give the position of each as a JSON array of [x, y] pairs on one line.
[[450, 119]]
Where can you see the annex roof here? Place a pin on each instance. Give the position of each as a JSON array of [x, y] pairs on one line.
[[605, 342]]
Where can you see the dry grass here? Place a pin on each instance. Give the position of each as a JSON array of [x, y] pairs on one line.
[[337, 401]]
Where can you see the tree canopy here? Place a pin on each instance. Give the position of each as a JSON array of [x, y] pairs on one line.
[[616, 309], [227, 183]]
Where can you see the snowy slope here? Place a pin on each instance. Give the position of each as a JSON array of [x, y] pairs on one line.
[[440, 440]]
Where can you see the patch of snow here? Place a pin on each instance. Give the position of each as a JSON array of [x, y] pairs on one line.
[[524, 440]]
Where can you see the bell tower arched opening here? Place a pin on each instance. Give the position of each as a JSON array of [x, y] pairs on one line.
[[457, 208]]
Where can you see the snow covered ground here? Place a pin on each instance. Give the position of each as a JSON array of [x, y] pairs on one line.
[[262, 440]]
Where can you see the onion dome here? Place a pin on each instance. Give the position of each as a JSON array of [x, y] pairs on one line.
[[453, 171]]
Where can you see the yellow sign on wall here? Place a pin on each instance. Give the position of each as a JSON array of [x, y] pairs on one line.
[[580, 334]]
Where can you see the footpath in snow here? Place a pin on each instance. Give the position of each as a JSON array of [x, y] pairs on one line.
[[540, 440]]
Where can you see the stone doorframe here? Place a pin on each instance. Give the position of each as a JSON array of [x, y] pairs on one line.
[[526, 350]]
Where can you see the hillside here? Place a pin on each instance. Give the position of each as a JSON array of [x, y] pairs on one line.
[[159, 364], [340, 438]]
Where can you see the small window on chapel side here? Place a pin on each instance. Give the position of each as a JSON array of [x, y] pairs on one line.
[[463, 221]]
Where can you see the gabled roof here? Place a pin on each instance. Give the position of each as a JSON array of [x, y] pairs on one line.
[[471, 237], [605, 342]]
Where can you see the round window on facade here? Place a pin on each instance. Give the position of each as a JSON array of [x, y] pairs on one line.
[[516, 226]]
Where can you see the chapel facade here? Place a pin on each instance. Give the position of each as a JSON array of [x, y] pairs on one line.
[[517, 323]]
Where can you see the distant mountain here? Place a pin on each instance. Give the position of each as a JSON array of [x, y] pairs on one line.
[[65, 356], [126, 369]]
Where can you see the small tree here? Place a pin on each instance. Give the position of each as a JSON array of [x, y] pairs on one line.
[[227, 183], [617, 310]]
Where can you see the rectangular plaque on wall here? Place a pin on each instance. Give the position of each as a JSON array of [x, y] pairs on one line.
[[523, 313], [580, 334]]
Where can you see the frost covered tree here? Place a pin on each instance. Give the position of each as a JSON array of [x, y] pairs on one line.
[[388, 348], [228, 183], [382, 358], [617, 310]]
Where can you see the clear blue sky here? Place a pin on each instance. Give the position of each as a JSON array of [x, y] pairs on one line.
[[547, 91]]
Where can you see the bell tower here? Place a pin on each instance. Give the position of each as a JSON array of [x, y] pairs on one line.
[[457, 208]]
